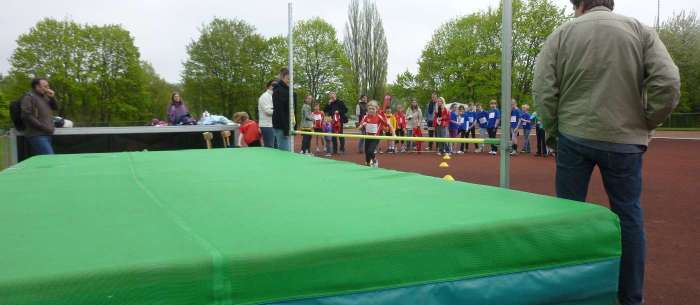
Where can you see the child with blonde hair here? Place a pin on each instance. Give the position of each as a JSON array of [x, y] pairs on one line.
[[249, 130], [373, 124]]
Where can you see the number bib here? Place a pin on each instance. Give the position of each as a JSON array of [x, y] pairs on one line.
[[371, 128]]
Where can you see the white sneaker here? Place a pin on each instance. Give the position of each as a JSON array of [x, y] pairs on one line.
[[513, 153], [493, 153], [460, 152]]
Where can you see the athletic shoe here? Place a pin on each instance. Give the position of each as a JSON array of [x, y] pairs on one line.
[[513, 153], [439, 154], [478, 151], [318, 149], [403, 151], [460, 152], [493, 153], [328, 155]]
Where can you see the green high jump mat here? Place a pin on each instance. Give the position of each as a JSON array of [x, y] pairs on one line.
[[260, 226]]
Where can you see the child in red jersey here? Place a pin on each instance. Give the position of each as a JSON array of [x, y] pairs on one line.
[[249, 130], [318, 116], [373, 124], [400, 127], [418, 133]]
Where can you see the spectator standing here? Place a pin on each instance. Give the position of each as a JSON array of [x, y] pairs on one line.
[[307, 124], [619, 67], [336, 106], [37, 109], [360, 112], [430, 116], [414, 117], [265, 111], [281, 113]]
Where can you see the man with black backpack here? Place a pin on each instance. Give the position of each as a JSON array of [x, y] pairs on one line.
[[33, 115]]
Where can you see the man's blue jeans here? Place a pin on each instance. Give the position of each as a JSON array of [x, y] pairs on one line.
[[40, 145], [622, 178], [282, 139], [268, 135]]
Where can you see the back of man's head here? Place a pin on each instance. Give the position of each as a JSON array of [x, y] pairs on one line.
[[589, 4]]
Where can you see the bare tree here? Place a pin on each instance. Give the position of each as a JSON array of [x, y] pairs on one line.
[[366, 47]]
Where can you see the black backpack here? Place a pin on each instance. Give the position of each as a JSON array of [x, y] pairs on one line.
[[16, 113]]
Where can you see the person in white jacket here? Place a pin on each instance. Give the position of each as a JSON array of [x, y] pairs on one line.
[[265, 110], [414, 117]]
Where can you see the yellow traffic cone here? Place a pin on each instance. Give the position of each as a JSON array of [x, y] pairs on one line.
[[447, 157], [444, 165], [448, 178]]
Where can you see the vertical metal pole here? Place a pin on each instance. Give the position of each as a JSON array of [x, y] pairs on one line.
[[291, 76], [658, 15], [506, 59]]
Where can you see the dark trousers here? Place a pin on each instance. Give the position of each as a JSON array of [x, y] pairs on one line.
[[541, 146], [400, 133], [370, 147], [342, 142], [465, 134], [622, 178], [431, 134], [40, 145], [492, 135], [255, 143], [361, 142], [268, 137], [306, 144]]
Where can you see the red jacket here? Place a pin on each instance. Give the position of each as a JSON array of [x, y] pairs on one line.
[[443, 117], [400, 120]]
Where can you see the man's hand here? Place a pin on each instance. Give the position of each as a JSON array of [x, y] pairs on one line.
[[50, 93]]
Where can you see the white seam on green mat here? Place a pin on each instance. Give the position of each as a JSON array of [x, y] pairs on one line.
[[222, 285]]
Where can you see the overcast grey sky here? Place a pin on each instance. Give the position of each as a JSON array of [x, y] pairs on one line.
[[162, 29]]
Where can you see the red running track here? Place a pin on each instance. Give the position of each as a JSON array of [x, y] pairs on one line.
[[670, 198]]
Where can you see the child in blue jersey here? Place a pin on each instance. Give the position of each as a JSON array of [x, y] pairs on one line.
[[461, 120], [514, 126], [493, 118], [527, 127], [328, 128], [481, 121], [454, 125], [470, 127]]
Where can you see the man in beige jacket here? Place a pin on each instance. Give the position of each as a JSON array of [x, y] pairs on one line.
[[603, 83]]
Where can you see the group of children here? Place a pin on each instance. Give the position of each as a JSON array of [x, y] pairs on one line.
[[459, 121]]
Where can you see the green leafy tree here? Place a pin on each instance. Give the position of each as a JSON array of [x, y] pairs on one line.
[[681, 35], [227, 67], [159, 91], [366, 48], [95, 70], [318, 57], [462, 60]]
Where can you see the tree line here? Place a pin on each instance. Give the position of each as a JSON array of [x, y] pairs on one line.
[[462, 60], [99, 76]]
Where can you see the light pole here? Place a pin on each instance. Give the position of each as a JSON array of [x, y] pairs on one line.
[[506, 71]]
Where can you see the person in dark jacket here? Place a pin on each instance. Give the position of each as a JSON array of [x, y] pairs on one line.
[[37, 115], [429, 114], [336, 105], [280, 112]]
